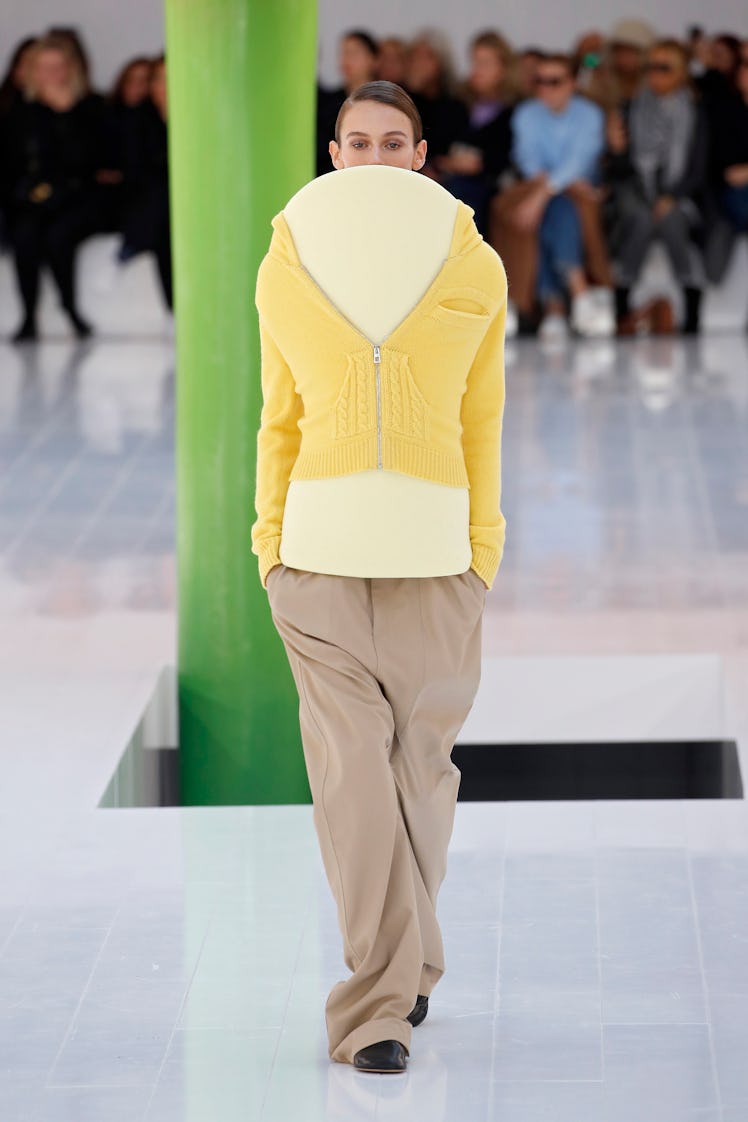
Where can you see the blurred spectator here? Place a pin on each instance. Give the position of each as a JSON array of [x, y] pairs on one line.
[[728, 173], [473, 164], [358, 62], [622, 74], [121, 170], [546, 228], [525, 69], [656, 166], [10, 90], [588, 58], [430, 81], [146, 219], [393, 55], [50, 157], [73, 38], [721, 56], [16, 75]]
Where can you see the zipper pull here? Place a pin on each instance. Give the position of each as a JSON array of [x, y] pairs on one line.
[[377, 356]]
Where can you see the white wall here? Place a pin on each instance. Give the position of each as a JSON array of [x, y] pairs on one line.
[[114, 31]]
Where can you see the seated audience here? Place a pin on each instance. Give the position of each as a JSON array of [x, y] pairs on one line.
[[430, 81], [49, 163], [546, 228], [358, 62], [474, 162], [656, 167]]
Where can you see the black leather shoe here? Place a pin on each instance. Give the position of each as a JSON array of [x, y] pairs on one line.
[[419, 1010], [385, 1056]]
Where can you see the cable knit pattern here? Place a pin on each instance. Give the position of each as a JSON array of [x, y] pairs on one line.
[[404, 409], [356, 403]]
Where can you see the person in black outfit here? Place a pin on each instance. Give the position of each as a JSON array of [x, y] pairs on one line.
[[122, 170], [147, 218], [358, 60], [475, 161], [10, 92], [727, 215], [429, 79], [48, 169], [717, 82]]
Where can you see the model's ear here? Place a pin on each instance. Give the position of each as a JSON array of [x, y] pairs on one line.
[[334, 149], [419, 156]]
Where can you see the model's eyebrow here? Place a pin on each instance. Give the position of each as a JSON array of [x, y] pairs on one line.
[[392, 132]]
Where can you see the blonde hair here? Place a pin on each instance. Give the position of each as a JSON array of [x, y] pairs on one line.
[[501, 46], [52, 42], [439, 43]]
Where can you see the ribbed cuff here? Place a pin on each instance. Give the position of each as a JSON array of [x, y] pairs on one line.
[[268, 555], [486, 562]]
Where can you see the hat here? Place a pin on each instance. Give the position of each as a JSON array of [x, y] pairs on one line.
[[633, 33]]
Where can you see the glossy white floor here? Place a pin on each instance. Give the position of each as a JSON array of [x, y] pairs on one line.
[[165, 965]]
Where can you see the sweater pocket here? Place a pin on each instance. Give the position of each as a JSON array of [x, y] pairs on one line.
[[463, 308]]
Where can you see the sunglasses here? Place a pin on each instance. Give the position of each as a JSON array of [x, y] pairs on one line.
[[659, 68], [552, 82]]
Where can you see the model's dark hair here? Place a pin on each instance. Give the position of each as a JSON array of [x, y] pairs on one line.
[[386, 93], [364, 38]]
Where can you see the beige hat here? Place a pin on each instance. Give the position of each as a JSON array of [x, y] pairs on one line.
[[633, 33]]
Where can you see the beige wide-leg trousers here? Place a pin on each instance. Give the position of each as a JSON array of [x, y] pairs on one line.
[[387, 670]]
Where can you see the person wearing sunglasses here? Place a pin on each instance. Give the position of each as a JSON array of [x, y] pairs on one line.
[[656, 169], [546, 227]]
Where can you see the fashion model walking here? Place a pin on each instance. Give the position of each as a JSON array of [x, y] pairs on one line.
[[378, 533]]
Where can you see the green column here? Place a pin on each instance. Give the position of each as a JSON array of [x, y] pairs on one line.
[[241, 89]]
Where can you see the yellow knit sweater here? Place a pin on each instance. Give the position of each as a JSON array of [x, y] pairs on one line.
[[428, 400]]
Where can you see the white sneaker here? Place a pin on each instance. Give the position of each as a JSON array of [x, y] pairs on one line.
[[591, 316], [553, 329], [512, 321]]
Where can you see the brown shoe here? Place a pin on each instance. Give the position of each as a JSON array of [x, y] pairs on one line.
[[661, 318]]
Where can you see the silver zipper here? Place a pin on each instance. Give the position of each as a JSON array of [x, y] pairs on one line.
[[377, 362]]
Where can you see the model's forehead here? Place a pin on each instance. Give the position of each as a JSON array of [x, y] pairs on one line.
[[372, 116]]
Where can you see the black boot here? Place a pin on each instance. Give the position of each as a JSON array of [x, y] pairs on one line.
[[81, 327], [622, 296], [419, 1010], [692, 301], [26, 332]]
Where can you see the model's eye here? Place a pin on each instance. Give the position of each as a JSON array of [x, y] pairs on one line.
[[394, 144]]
